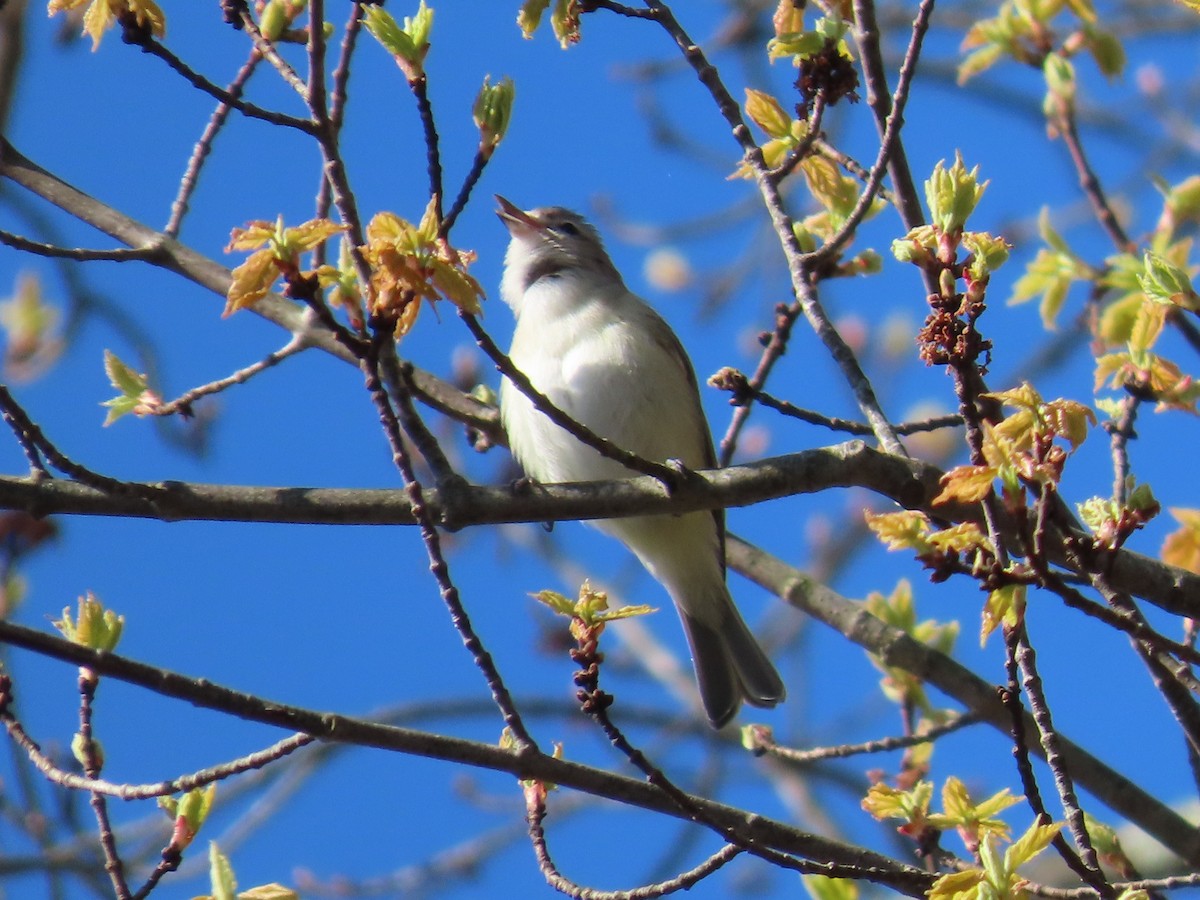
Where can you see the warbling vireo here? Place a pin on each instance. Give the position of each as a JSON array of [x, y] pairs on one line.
[[609, 361]]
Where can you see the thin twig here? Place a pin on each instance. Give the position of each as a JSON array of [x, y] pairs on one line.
[[216, 278], [433, 156], [91, 768], [25, 438], [1086, 864], [81, 254], [897, 648], [200, 152], [1174, 682], [1124, 796], [536, 814], [739, 386], [596, 704], [1180, 318], [798, 267], [1134, 626], [851, 165], [889, 140], [339, 93], [882, 745], [478, 164], [397, 374], [618, 8], [267, 49], [31, 435], [433, 547], [1088, 181], [339, 97], [241, 376], [182, 784], [315, 94], [866, 32], [798, 153], [1120, 432], [154, 48], [1142, 884]]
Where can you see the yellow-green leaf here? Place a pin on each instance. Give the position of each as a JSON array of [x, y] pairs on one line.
[[94, 626], [220, 874], [530, 16], [269, 892], [822, 887], [768, 114], [135, 395], [493, 110], [251, 281], [959, 538], [1182, 546], [1030, 844], [886, 802], [958, 886], [1005, 606], [900, 530], [966, 484], [952, 194]]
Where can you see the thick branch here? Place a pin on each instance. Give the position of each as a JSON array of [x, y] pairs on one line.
[[528, 765], [181, 259], [896, 648], [910, 483]]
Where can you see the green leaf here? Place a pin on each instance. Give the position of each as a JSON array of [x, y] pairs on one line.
[[768, 114], [1164, 282], [1060, 77], [189, 813], [1004, 605], [557, 602], [952, 194], [530, 16], [384, 28], [822, 887], [1049, 234], [220, 874], [564, 21], [123, 378], [1117, 320], [269, 892], [958, 886], [979, 61], [1030, 844], [989, 253], [493, 110], [1107, 50], [409, 43], [87, 751], [94, 626]]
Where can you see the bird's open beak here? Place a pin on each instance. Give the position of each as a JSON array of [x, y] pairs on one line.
[[516, 220]]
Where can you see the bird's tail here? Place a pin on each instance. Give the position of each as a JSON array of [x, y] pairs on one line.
[[730, 665]]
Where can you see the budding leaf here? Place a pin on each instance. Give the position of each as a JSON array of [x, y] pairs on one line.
[[94, 627], [493, 109], [952, 194], [135, 395]]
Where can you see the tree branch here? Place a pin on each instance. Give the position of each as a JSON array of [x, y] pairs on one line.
[[181, 259], [896, 648], [529, 765]]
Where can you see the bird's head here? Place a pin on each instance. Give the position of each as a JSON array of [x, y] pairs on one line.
[[549, 242]]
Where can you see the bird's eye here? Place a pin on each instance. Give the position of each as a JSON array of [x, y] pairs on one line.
[[566, 228]]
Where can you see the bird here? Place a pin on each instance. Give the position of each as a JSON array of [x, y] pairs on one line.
[[604, 357]]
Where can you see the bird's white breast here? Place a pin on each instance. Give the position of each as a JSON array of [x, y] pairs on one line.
[[607, 360]]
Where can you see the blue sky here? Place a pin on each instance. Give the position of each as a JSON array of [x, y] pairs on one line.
[[347, 619]]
